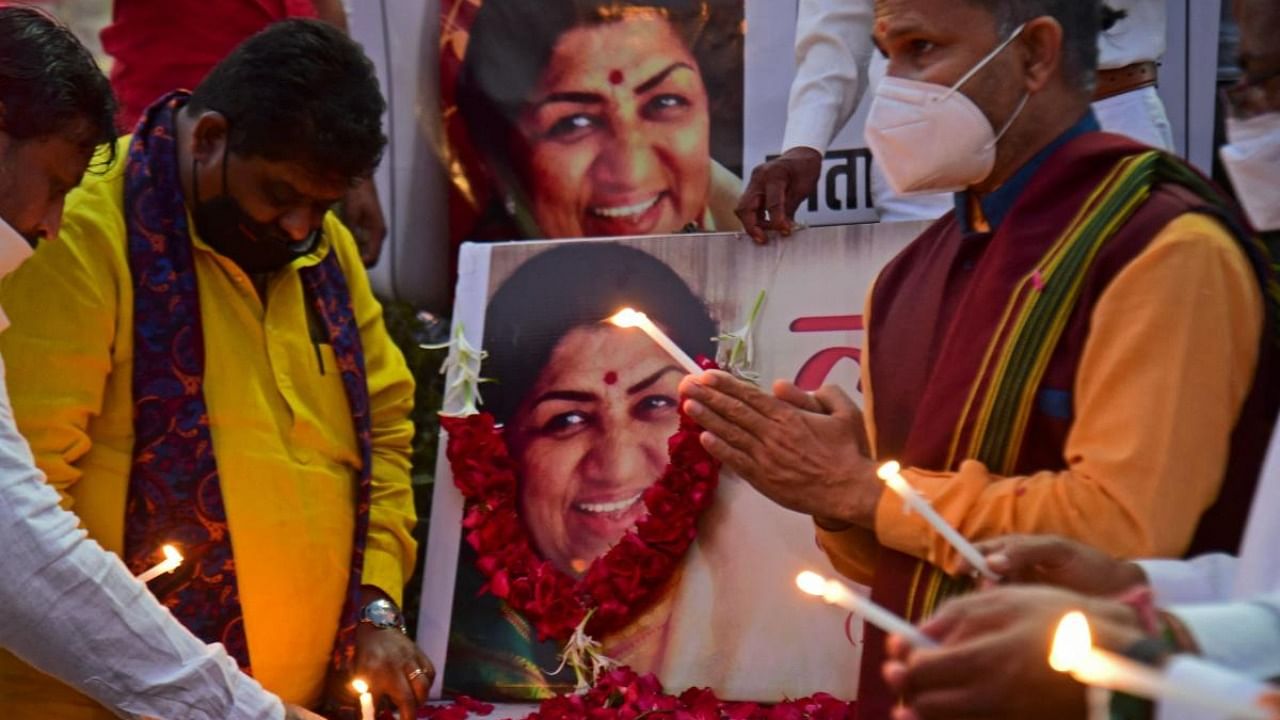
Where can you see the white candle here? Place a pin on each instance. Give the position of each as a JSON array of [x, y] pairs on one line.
[[1073, 652], [835, 593], [629, 318], [1099, 701], [891, 474], [366, 700], [172, 559]]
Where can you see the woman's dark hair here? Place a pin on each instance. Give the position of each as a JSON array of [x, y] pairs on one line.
[[576, 286], [511, 42], [299, 91], [49, 82]]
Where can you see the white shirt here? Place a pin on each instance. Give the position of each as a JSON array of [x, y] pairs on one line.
[[1139, 37], [74, 611], [833, 48], [1232, 606]]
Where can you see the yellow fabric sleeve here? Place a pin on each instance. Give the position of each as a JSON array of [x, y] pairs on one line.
[[1165, 371]]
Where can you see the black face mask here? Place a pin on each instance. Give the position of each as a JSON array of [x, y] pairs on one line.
[[256, 247]]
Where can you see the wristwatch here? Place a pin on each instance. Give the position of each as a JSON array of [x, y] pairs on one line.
[[384, 615]]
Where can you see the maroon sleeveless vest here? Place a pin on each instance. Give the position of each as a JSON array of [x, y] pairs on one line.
[[934, 311]]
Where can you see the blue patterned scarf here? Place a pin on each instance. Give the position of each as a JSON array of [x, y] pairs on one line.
[[175, 494]]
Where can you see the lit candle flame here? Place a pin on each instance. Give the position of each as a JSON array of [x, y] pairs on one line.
[[891, 473], [366, 700], [812, 583], [628, 318], [1072, 643], [632, 318], [1073, 652], [172, 559]]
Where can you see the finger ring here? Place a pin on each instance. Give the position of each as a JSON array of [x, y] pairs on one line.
[[417, 673]]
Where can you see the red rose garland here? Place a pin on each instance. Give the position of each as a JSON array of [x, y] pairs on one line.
[[621, 694], [618, 585]]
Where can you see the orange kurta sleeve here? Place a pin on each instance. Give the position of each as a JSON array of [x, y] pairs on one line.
[[1164, 374], [853, 551]]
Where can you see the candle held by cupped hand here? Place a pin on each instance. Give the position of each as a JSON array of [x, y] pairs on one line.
[[835, 593], [366, 700], [1073, 652], [891, 474], [631, 318]]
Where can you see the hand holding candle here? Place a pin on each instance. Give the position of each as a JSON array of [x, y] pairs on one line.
[[366, 700], [172, 559], [630, 318], [835, 593], [1073, 652], [891, 474]]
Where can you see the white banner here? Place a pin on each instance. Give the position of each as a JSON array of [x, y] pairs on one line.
[[843, 194]]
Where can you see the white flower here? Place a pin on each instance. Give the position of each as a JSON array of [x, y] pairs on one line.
[[584, 654], [462, 393], [736, 352]]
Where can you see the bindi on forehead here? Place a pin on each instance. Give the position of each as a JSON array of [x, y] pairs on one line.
[[616, 77], [611, 378]]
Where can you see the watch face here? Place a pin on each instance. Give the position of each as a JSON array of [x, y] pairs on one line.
[[381, 614]]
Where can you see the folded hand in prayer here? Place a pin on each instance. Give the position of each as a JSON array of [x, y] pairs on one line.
[[806, 452]]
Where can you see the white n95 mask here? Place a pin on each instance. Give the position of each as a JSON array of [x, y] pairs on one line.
[[930, 138], [1252, 159]]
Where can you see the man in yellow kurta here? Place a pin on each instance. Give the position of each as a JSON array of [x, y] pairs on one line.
[[258, 154]]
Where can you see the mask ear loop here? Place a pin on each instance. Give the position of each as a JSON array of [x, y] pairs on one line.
[[1009, 123], [983, 62]]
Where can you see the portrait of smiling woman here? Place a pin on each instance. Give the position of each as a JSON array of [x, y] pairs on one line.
[[588, 409], [599, 117]]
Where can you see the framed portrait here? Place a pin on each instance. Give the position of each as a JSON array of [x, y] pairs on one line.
[[586, 410]]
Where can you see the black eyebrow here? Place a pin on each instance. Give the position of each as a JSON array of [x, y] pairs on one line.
[[648, 382], [656, 80], [582, 98], [906, 27], [583, 396]]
